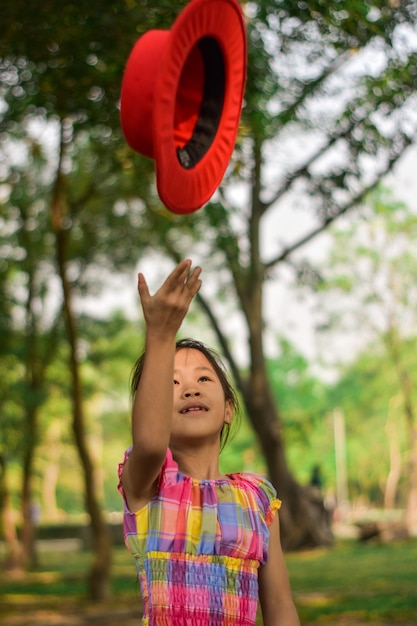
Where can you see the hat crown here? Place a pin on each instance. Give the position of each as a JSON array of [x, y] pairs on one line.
[[181, 100], [138, 90]]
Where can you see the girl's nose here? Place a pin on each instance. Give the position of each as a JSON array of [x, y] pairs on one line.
[[190, 393]]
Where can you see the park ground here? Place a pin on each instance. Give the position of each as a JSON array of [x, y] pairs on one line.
[[350, 584]]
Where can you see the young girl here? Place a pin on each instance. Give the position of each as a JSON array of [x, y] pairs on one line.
[[206, 545]]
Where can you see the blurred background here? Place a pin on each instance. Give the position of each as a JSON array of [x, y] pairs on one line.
[[309, 260]]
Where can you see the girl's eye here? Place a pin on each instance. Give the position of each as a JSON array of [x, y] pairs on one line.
[[176, 382], [202, 379]]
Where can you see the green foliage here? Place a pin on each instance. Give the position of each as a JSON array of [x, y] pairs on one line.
[[243, 453], [60, 71], [366, 394], [66, 59], [303, 402], [12, 418], [368, 291]]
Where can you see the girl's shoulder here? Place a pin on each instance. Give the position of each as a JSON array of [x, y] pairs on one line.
[[263, 490], [253, 481], [169, 469]]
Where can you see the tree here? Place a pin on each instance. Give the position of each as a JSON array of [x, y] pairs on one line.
[[31, 333], [306, 88], [64, 76], [304, 403], [322, 123], [373, 263]]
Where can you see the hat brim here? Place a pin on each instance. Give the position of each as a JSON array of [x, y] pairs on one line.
[[220, 25]]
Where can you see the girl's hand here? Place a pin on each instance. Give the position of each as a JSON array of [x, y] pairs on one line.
[[164, 312]]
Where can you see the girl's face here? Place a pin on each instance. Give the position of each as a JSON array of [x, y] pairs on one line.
[[200, 409]]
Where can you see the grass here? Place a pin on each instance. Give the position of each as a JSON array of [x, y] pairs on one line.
[[369, 583]]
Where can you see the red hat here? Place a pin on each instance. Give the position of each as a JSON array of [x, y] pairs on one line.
[[181, 100]]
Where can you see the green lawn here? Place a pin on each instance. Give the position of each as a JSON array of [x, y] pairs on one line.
[[369, 583]]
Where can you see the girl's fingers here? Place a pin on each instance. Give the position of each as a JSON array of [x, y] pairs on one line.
[[194, 282], [142, 287], [181, 277], [177, 281], [180, 273]]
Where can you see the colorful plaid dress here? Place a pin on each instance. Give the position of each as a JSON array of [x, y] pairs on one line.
[[198, 545]]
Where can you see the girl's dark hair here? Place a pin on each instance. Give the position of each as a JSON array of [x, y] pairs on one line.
[[217, 364]]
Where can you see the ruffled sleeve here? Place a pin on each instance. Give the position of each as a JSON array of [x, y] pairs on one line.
[[120, 472], [168, 474], [265, 494]]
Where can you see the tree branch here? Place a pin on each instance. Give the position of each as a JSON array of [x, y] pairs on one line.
[[224, 345], [310, 87], [331, 218], [226, 352], [303, 170]]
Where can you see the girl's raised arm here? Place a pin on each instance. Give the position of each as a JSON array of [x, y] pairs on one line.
[[153, 403]]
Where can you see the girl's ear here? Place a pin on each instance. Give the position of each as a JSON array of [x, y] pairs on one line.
[[228, 412]]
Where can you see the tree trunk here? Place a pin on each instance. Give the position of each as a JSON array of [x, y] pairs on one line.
[[49, 485], [34, 370], [28, 550], [304, 521], [303, 517], [406, 390], [13, 552], [411, 510], [99, 576], [390, 493]]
